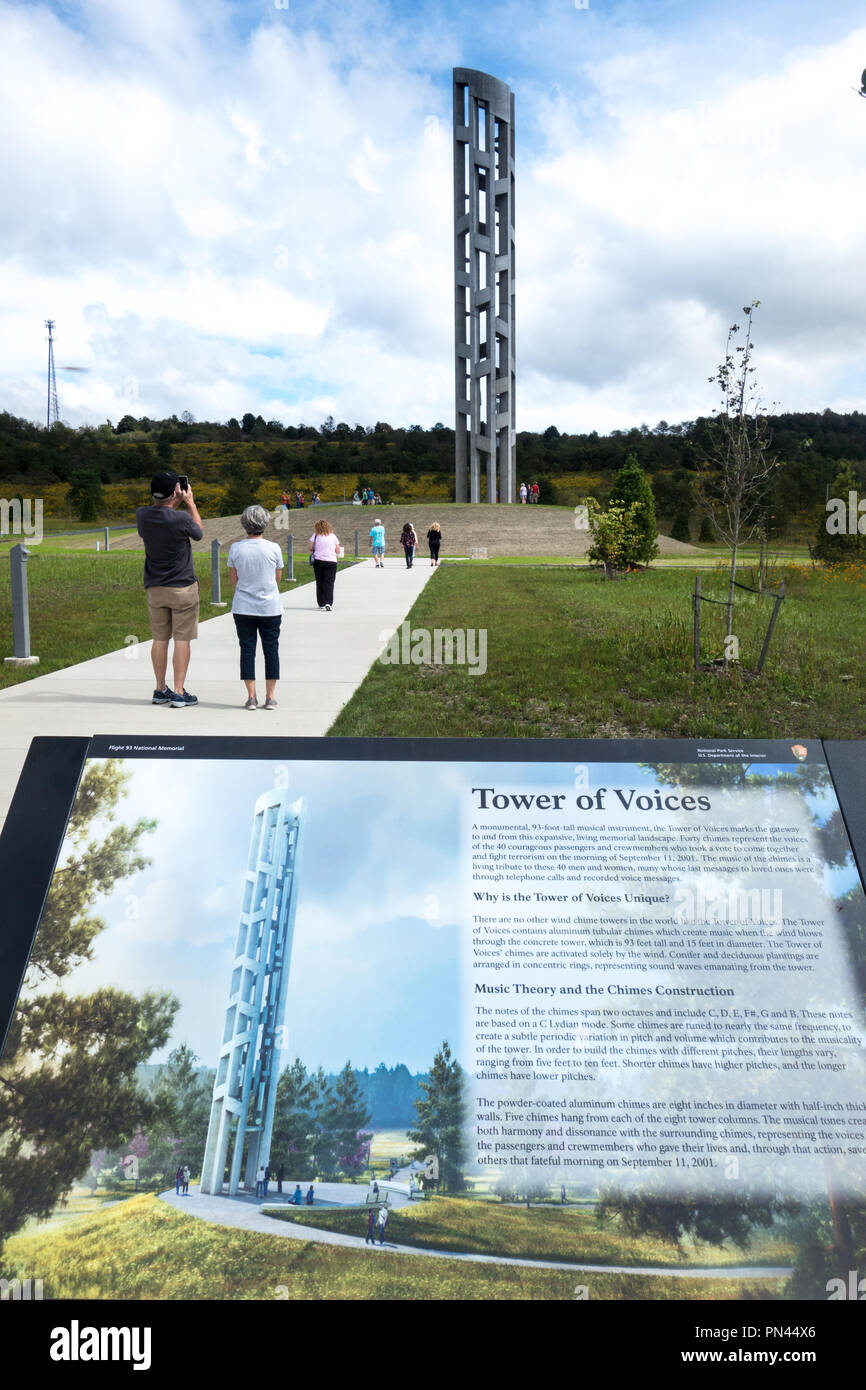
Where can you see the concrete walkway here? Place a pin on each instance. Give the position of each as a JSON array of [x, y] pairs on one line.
[[245, 1215], [324, 658]]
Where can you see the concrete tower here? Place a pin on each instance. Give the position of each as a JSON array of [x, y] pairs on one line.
[[484, 286], [245, 1090]]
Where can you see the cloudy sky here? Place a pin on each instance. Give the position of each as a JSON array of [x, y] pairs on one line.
[[247, 206]]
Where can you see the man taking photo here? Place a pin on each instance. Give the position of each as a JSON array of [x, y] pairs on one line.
[[170, 582]]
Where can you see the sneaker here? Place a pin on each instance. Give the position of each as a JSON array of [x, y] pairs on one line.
[[181, 698], [270, 702], [327, 608], [252, 703], [162, 697]]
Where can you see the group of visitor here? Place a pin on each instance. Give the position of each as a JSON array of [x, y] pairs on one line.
[[255, 567], [367, 497], [285, 502], [529, 493]]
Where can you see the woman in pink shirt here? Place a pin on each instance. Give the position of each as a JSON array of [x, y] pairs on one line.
[[324, 548]]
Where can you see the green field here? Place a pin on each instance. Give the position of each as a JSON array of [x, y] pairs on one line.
[[541, 1233], [571, 655], [142, 1248]]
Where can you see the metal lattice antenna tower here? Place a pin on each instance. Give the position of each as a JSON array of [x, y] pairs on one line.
[[53, 414]]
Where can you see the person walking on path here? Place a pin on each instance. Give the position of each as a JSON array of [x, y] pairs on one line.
[[434, 540], [260, 1181], [370, 1238], [383, 1221], [186, 1178], [255, 569], [523, 493], [178, 1181], [170, 582], [408, 540], [377, 543], [536, 492], [325, 549]]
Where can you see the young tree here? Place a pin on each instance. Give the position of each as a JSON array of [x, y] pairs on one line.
[[68, 1075], [631, 485], [441, 1113], [735, 473], [616, 535]]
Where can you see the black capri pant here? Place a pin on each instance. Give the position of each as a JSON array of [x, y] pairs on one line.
[[326, 573], [249, 628]]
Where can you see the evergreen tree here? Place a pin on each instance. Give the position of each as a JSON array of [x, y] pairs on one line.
[[834, 543], [630, 485], [441, 1117], [68, 1074], [183, 1097], [292, 1141], [344, 1115], [85, 494]]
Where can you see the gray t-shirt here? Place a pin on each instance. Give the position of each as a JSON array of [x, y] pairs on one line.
[[168, 554], [256, 562]]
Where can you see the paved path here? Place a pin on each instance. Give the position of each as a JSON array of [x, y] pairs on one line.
[[245, 1214], [324, 658]]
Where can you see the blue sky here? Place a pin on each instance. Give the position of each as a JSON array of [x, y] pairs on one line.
[[242, 206]]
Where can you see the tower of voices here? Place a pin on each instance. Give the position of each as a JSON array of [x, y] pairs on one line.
[[484, 287], [245, 1089]]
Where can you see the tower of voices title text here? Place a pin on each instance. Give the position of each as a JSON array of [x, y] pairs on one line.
[[489, 799]]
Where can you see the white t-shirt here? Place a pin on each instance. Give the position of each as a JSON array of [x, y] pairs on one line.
[[325, 547], [256, 562]]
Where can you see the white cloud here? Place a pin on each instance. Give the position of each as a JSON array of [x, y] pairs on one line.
[[181, 195]]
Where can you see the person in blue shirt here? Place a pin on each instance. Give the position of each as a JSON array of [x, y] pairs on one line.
[[377, 543]]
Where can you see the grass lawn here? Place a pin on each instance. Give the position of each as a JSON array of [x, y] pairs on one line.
[[542, 1233], [83, 605], [572, 655], [145, 1249]]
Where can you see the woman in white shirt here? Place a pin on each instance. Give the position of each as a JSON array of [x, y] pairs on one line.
[[255, 569], [324, 548]]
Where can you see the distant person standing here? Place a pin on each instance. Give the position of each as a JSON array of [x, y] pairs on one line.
[[536, 492], [377, 543], [370, 1238], [255, 569], [523, 493], [260, 1181], [186, 1177], [408, 540], [325, 550], [178, 1181], [434, 540], [383, 1221], [170, 582]]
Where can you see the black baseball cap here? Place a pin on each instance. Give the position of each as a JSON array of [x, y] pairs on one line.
[[163, 485]]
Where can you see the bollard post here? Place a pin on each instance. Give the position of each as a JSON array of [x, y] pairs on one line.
[[289, 575], [215, 575], [107, 540], [20, 609], [773, 616], [356, 542]]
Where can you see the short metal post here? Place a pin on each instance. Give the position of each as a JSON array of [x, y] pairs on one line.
[[107, 540], [20, 609], [289, 575], [697, 631], [773, 616], [356, 542], [215, 594]]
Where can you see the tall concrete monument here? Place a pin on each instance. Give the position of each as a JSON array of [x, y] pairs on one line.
[[245, 1089], [484, 286]]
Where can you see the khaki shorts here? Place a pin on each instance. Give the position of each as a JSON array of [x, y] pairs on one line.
[[173, 612]]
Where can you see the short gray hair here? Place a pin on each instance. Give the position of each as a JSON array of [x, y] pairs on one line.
[[254, 519]]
